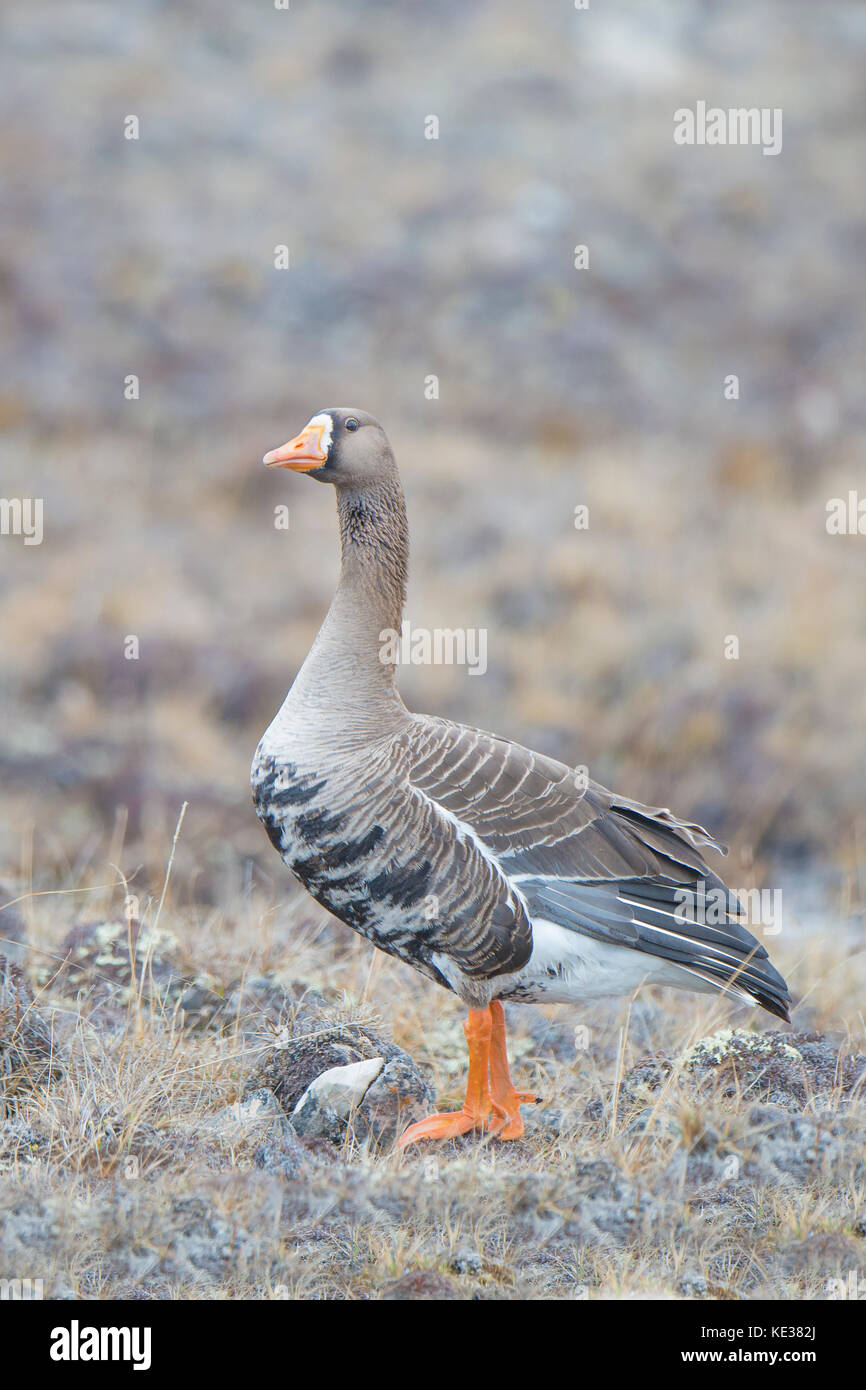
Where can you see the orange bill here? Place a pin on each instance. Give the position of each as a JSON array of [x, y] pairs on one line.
[[308, 450]]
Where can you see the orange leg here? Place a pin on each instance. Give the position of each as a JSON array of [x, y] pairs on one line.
[[476, 1107], [491, 1101], [507, 1122]]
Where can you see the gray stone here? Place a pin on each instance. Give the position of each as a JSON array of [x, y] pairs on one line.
[[311, 1045], [334, 1093], [327, 1106], [318, 1121], [282, 1153], [400, 1095]]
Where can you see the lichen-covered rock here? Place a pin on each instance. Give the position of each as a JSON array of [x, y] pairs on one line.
[[737, 1042], [326, 1108], [399, 1095], [253, 1004], [259, 1120], [333, 1077], [120, 957], [784, 1069], [258, 1112], [282, 1153], [117, 960], [307, 1046], [319, 1121], [341, 1088]]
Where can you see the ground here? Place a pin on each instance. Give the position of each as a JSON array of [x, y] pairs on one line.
[[680, 1148]]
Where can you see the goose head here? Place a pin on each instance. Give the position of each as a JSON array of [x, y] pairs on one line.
[[342, 446]]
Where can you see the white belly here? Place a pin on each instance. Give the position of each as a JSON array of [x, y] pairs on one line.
[[566, 966]]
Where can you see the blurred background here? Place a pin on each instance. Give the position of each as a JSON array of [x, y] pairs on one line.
[[557, 387]]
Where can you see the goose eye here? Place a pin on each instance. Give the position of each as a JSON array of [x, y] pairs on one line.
[[351, 423]]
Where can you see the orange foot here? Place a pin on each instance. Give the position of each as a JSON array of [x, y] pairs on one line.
[[446, 1125], [491, 1101]]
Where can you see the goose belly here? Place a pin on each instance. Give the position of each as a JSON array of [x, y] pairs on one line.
[[569, 967]]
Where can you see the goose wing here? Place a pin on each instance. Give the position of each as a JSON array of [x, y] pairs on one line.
[[590, 861]]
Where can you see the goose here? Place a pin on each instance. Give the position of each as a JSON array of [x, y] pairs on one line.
[[499, 873]]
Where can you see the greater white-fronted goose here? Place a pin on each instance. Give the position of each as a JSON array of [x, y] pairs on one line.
[[495, 871]]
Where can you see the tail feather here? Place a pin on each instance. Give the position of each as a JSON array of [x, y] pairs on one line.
[[696, 926]]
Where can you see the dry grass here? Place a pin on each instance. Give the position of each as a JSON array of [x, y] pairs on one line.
[[133, 1169]]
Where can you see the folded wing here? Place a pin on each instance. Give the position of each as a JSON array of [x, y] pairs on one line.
[[591, 861]]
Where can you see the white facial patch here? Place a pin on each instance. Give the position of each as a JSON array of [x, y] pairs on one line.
[[325, 424]]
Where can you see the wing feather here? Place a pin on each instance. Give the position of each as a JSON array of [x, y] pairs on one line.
[[589, 860]]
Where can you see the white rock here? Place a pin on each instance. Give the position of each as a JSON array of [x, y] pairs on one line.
[[341, 1088]]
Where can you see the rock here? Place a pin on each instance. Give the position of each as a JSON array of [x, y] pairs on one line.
[[257, 999], [119, 957], [376, 1096], [342, 1088], [787, 1070], [259, 1117], [282, 1153], [199, 1002], [319, 1121], [730, 1042], [253, 1004], [325, 1108], [260, 1105], [398, 1096], [304, 1051]]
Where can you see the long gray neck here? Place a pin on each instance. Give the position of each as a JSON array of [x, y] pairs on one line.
[[344, 692]]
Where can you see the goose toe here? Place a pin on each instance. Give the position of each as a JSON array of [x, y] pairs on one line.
[[447, 1125]]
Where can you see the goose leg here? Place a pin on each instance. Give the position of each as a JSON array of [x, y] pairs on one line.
[[476, 1107], [506, 1121]]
